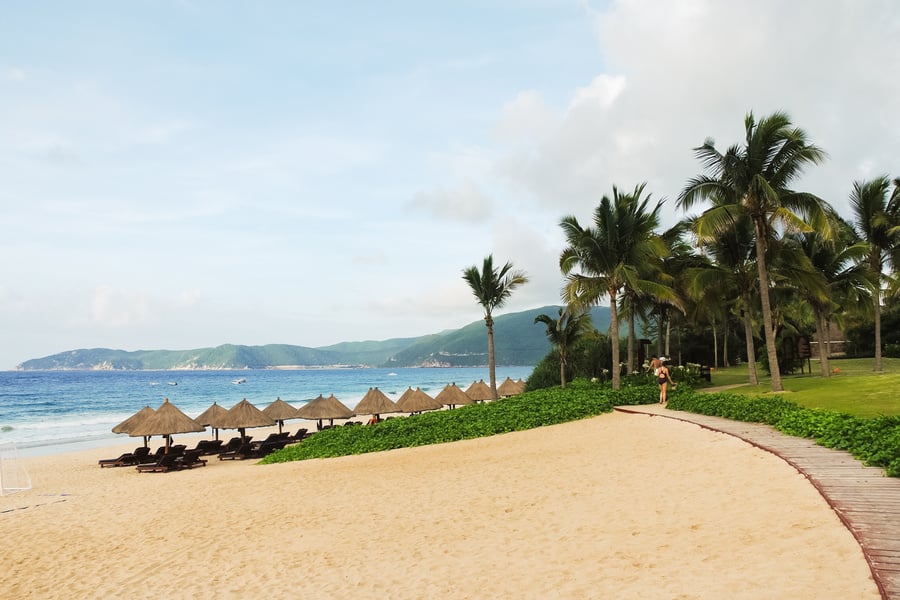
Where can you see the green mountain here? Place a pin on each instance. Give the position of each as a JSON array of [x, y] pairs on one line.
[[518, 341]]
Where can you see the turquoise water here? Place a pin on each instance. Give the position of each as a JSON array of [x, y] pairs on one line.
[[45, 412]]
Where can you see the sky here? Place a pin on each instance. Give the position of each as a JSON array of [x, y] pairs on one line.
[[181, 174]]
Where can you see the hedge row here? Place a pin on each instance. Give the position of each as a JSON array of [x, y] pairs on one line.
[[876, 441], [526, 411]]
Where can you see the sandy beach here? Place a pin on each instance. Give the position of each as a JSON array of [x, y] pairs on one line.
[[617, 506]]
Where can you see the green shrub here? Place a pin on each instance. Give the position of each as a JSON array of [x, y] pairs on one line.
[[876, 441], [580, 399]]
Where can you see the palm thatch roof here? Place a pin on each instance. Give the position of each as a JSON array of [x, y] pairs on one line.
[[324, 408], [131, 422], [405, 395], [167, 419], [375, 402], [418, 401], [281, 410], [479, 391], [244, 415], [510, 387], [453, 396], [212, 415]]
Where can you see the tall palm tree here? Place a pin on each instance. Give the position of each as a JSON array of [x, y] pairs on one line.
[[838, 263], [492, 288], [733, 264], [756, 177], [608, 257], [564, 332], [877, 220]]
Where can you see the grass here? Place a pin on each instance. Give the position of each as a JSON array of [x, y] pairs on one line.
[[854, 389]]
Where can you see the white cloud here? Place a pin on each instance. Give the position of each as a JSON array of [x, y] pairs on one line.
[[13, 74], [465, 203], [118, 308]]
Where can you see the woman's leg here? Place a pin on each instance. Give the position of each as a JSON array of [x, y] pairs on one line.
[[662, 392]]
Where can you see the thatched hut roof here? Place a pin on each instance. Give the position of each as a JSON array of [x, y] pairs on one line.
[[244, 415], [167, 419], [212, 415], [451, 395], [324, 408], [510, 387], [131, 422], [418, 401], [480, 391], [281, 410], [375, 402]]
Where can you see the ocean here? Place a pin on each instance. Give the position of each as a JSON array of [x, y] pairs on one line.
[[49, 412]]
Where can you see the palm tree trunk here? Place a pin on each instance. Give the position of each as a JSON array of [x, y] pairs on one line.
[[725, 346], [631, 338], [614, 338], [715, 344], [751, 347], [877, 307], [562, 371], [668, 336], [821, 329], [492, 369], [767, 306]]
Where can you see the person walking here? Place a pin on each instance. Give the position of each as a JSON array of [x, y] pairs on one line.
[[663, 378]]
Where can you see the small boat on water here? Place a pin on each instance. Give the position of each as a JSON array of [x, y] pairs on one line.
[[172, 382], [239, 381]]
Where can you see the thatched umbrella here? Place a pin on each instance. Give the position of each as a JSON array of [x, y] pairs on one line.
[[452, 396], [212, 416], [165, 421], [281, 411], [375, 403], [404, 397], [324, 408], [418, 401], [244, 415], [131, 422], [479, 391], [510, 388]]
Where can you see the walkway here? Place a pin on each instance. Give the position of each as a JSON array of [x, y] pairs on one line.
[[865, 499]]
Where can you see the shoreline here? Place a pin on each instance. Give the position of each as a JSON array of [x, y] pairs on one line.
[[616, 505]]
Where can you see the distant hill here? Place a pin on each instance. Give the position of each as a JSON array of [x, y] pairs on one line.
[[518, 341]]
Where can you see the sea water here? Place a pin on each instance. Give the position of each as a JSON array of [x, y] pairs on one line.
[[47, 412]]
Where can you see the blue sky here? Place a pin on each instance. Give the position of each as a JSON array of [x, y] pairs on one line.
[[179, 174]]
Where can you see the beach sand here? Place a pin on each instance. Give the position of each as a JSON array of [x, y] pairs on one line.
[[617, 506]]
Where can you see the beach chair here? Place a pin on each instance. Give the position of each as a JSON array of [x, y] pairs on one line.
[[241, 452], [211, 447], [299, 436], [127, 459], [168, 462], [191, 459]]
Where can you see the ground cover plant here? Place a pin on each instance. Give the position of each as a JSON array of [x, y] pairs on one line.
[[551, 406], [875, 441]]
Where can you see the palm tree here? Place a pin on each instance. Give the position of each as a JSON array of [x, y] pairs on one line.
[[608, 256], [493, 288], [838, 263], [756, 177], [732, 264], [564, 332], [878, 224]]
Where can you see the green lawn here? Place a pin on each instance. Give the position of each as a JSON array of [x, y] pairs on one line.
[[854, 389]]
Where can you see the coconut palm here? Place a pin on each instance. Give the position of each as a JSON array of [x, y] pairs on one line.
[[838, 263], [564, 332], [492, 288], [608, 257], [877, 220], [756, 176], [732, 264]]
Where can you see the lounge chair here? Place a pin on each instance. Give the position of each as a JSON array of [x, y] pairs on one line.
[[241, 452], [128, 459], [267, 447], [168, 462], [299, 436], [191, 459], [234, 443]]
